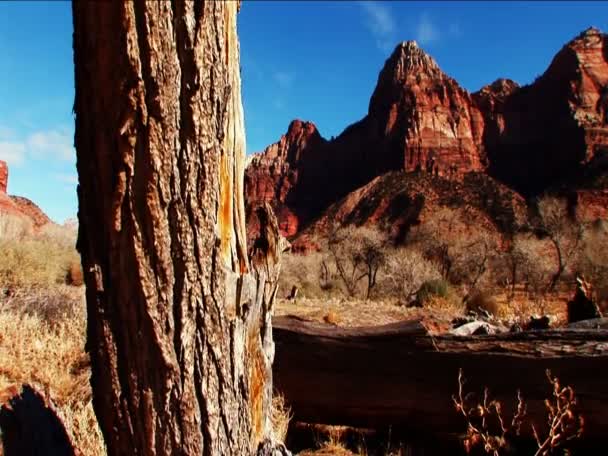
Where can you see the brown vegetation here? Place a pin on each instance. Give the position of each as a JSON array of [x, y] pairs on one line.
[[489, 429]]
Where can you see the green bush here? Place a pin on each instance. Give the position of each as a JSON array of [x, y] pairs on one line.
[[434, 288]]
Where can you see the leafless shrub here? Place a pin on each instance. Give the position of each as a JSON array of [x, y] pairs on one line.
[[593, 260], [488, 427], [461, 251], [358, 255], [564, 232], [405, 271]]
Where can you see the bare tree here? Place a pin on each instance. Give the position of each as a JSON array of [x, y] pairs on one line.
[[358, 254], [405, 272], [431, 238], [564, 232], [179, 318]]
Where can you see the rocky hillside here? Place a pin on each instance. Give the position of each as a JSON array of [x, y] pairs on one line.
[[551, 134], [17, 205]]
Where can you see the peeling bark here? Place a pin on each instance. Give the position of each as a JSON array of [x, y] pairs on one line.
[[179, 328]]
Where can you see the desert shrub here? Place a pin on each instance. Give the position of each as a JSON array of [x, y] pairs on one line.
[[489, 429], [564, 232], [280, 417], [41, 258], [74, 274], [52, 304], [434, 288], [482, 301], [313, 274], [13, 227], [48, 352], [359, 255], [34, 262], [405, 271]]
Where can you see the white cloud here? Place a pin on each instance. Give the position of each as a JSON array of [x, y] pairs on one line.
[[71, 179], [426, 31], [51, 143], [284, 78], [381, 23], [12, 152]]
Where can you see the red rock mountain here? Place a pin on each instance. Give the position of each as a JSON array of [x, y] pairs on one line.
[[17, 205], [532, 138]]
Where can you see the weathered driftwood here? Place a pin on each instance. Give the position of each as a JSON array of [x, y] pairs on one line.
[[399, 375]]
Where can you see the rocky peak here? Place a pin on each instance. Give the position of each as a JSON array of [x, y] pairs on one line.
[[3, 177], [408, 65], [427, 121], [407, 57], [501, 88], [289, 149]]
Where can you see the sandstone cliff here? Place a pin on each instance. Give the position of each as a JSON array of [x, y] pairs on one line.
[[19, 206], [418, 119], [551, 133], [3, 177], [547, 132]]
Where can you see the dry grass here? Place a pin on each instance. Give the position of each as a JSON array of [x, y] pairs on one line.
[[46, 349], [14, 227], [281, 416]]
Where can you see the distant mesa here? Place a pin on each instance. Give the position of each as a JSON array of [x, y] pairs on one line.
[[19, 206], [549, 134]]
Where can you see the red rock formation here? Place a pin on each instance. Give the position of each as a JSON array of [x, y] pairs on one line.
[[18, 205], [3, 176], [532, 138], [542, 134], [418, 119], [273, 174], [425, 116]]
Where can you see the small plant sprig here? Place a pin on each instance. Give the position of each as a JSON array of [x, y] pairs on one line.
[[488, 427], [486, 424], [565, 422]]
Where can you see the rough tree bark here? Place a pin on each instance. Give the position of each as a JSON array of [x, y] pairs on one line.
[[179, 328]]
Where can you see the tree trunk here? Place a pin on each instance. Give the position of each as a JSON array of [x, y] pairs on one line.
[[179, 328]]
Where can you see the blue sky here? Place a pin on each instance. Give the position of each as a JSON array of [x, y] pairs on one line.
[[314, 60]]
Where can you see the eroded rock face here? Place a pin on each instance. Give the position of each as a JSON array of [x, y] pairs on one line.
[[273, 175], [3, 176], [532, 138], [418, 119], [539, 135], [424, 116], [17, 205]]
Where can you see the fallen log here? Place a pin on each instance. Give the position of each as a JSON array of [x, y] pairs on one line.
[[398, 375]]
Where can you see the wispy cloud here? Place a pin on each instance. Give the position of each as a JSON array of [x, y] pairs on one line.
[[284, 78], [381, 23], [12, 152], [55, 144], [52, 144], [426, 31], [65, 178]]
